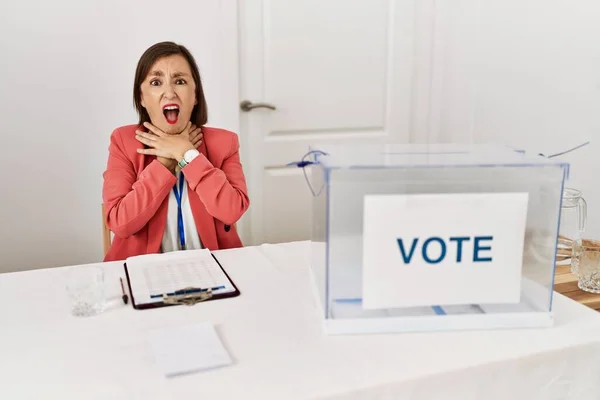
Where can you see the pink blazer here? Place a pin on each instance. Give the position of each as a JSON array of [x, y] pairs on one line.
[[137, 187]]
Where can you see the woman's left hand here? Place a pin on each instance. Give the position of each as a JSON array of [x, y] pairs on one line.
[[164, 145], [196, 136]]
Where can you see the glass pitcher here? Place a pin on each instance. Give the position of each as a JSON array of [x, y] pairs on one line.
[[573, 218]]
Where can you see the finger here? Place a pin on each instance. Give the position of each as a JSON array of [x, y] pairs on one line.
[[150, 152], [154, 152], [147, 135], [145, 141], [195, 133], [153, 129], [197, 141]]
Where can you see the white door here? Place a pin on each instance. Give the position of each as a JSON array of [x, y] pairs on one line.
[[335, 71]]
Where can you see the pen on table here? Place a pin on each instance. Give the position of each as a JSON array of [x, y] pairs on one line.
[[124, 297], [188, 291]]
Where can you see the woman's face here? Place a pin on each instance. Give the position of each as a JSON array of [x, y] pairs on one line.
[[169, 94]]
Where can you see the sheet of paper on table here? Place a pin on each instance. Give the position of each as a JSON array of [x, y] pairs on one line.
[[188, 349]]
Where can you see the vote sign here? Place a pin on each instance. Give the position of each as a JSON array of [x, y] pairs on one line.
[[443, 249]]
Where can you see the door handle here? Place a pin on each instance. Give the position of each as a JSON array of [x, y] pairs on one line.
[[247, 105]]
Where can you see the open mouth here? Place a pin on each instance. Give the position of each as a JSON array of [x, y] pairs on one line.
[[171, 113]]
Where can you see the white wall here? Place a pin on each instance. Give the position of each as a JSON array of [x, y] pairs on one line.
[[67, 68], [524, 73], [520, 72]]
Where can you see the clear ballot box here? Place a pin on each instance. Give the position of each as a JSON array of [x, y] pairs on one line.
[[433, 237]]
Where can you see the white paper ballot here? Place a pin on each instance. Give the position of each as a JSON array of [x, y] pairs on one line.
[[187, 349]]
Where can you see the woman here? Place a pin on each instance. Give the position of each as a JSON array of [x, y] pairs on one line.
[[171, 183]]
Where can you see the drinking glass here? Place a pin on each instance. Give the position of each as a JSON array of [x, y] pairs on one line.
[[85, 288], [573, 218], [586, 264]]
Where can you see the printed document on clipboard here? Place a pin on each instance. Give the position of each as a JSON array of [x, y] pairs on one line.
[[178, 277]]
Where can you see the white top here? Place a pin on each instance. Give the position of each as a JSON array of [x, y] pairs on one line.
[[170, 241], [273, 332]]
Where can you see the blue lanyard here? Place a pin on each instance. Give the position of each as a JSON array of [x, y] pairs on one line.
[[178, 196]]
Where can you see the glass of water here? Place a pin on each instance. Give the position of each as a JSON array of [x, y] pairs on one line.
[[85, 288], [586, 264]]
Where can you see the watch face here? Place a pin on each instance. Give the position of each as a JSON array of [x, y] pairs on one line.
[[190, 155]]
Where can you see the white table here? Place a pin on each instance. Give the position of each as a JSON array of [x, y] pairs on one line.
[[274, 335]]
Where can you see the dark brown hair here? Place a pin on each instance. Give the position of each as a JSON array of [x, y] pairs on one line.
[[147, 60]]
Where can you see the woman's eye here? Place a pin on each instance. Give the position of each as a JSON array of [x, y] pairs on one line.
[[155, 82], [180, 82]]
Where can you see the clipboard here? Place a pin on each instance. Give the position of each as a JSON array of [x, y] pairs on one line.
[[146, 306]]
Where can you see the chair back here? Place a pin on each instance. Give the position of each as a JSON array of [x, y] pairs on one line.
[[106, 238]]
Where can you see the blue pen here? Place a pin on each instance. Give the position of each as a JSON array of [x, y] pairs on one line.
[[180, 292]]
